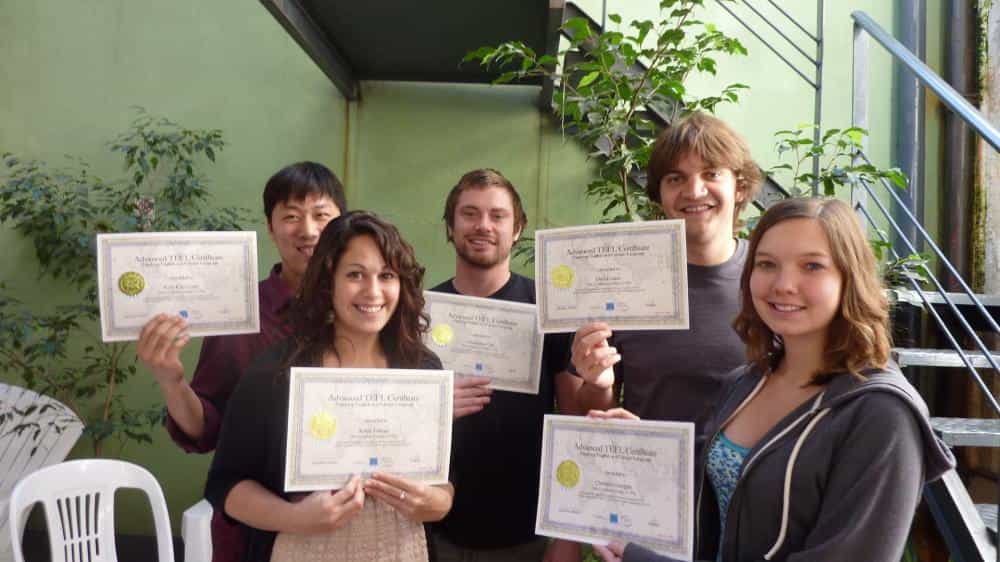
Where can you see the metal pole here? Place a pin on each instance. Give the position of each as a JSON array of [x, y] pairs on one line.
[[818, 94], [859, 103]]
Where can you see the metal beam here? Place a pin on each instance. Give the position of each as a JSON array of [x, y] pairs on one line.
[[554, 20], [320, 48]]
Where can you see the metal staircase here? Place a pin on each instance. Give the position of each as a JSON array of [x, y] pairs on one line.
[[969, 530]]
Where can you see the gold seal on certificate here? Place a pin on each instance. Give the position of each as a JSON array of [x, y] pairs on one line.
[[343, 422], [631, 275], [630, 481], [486, 337], [208, 278]]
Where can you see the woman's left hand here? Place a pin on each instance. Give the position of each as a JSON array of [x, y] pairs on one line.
[[611, 553], [418, 502]]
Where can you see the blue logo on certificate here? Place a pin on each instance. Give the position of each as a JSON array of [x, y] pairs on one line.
[[609, 306], [479, 366], [613, 518], [184, 314], [373, 461]]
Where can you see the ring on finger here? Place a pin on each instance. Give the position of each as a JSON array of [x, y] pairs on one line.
[[402, 496]]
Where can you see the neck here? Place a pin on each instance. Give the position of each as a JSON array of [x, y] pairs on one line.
[[476, 281], [803, 358], [713, 252], [292, 281], [364, 351]]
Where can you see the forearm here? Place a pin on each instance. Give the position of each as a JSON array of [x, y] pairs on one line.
[[592, 397], [441, 502], [256, 506], [185, 407]]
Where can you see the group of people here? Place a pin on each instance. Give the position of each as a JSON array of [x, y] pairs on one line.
[[812, 446]]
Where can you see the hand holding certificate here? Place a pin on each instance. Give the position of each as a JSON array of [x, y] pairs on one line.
[[486, 337], [344, 422], [208, 278], [632, 276], [631, 481]]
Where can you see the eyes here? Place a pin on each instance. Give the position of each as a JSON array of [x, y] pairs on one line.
[[359, 275], [471, 213], [711, 174], [764, 264], [321, 216]]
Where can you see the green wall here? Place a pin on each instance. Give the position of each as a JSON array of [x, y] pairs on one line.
[[73, 69]]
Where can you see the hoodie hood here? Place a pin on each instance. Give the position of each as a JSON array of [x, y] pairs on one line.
[[938, 459]]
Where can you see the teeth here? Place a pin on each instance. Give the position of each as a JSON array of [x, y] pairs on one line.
[[786, 307], [697, 208], [369, 309]]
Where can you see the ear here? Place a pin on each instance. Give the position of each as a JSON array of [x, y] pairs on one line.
[[517, 234], [741, 189], [449, 234]]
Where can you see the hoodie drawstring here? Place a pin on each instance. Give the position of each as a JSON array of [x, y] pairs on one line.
[[786, 497]]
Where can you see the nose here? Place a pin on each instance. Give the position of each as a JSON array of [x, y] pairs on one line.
[[694, 187], [484, 223], [785, 280], [310, 228]]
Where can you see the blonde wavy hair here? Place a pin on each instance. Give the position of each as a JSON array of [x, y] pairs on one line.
[[858, 336]]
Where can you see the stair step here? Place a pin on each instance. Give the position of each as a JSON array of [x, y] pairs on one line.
[[934, 297], [920, 357], [989, 514], [964, 305], [966, 432]]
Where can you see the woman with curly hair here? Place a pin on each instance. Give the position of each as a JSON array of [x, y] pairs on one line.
[[819, 449], [360, 305]]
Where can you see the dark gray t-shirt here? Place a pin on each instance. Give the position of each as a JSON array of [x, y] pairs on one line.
[[676, 375]]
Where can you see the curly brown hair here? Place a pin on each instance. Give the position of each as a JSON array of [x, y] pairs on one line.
[[401, 338], [858, 336], [717, 144]]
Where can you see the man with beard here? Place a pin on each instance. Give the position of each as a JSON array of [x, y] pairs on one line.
[[496, 442]]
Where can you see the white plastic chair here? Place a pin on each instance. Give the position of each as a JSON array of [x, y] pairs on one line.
[[79, 501], [35, 431], [196, 530]]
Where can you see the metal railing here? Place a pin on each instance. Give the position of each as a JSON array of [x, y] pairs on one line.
[[815, 61], [948, 501]]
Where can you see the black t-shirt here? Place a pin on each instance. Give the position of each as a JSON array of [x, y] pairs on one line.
[[496, 453]]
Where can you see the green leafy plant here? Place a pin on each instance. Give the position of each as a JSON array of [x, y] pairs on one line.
[[605, 98], [60, 210], [835, 150]]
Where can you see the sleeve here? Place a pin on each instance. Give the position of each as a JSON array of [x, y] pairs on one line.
[[215, 377], [636, 553], [242, 452], [556, 354], [873, 489]]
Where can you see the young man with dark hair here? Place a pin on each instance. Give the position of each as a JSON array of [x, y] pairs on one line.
[[700, 171], [496, 443], [299, 200]]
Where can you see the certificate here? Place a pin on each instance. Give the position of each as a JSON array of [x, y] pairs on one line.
[[631, 275], [486, 337], [343, 422], [208, 278], [630, 481]]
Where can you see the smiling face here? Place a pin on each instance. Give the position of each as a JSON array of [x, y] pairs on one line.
[[295, 226], [795, 285], [365, 289], [705, 197], [484, 232]]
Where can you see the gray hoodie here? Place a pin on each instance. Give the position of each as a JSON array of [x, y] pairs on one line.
[[838, 479]]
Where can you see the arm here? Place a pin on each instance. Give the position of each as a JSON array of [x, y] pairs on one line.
[[160, 343], [873, 489], [593, 359]]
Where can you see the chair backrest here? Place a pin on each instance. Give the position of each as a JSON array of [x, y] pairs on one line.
[[78, 497], [35, 431]]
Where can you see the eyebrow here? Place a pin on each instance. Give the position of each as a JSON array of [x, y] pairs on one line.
[[806, 254]]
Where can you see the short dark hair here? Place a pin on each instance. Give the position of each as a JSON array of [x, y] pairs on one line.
[[482, 178], [716, 143], [298, 180], [402, 336]]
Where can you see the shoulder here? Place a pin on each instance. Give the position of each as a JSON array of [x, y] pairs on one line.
[[445, 287], [518, 289], [431, 362]]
